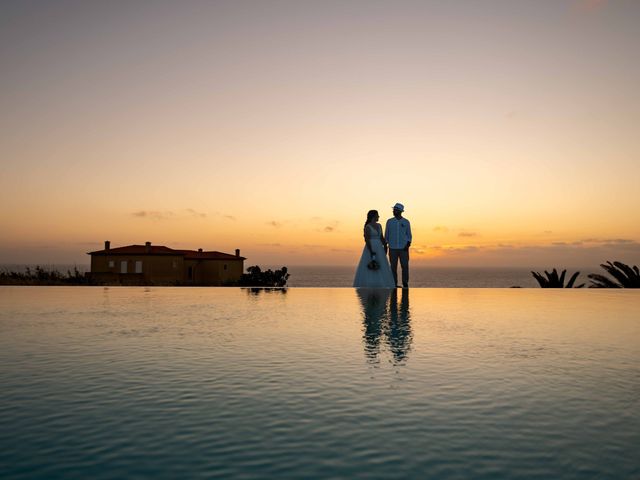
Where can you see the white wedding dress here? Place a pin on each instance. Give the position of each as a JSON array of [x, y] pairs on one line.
[[381, 278]]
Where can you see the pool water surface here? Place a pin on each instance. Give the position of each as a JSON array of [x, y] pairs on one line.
[[118, 382]]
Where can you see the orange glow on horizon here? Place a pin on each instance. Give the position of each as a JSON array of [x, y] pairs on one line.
[[200, 126]]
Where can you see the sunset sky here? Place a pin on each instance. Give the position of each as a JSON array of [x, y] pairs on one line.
[[509, 129]]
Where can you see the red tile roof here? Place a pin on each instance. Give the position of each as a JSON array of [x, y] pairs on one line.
[[194, 254], [162, 250], [138, 250]]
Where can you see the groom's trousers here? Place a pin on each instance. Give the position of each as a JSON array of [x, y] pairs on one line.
[[403, 256]]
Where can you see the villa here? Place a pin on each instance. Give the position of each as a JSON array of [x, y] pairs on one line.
[[159, 265]]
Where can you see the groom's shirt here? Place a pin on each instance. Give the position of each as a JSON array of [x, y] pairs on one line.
[[398, 233]]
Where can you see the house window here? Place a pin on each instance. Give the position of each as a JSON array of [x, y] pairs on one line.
[[123, 266], [225, 266], [138, 266], [190, 273], [175, 264], [112, 264]]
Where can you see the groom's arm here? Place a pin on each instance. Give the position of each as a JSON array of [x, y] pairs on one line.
[[409, 236], [386, 231]]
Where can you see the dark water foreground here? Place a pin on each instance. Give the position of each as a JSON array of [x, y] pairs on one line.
[[319, 383]]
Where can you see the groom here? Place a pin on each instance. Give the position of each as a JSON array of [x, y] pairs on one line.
[[398, 236]]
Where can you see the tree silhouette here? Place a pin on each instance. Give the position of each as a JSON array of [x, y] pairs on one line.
[[257, 278], [623, 275], [552, 279]]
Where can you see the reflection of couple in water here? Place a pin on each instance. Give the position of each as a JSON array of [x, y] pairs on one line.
[[387, 318], [374, 270]]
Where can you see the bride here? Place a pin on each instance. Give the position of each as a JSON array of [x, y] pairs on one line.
[[373, 270]]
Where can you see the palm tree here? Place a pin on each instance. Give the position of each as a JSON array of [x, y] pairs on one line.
[[623, 275], [555, 281]]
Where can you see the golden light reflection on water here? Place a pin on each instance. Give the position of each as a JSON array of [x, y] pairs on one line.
[[387, 323], [398, 326]]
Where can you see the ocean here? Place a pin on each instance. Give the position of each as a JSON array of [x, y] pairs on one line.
[[325, 276], [420, 277]]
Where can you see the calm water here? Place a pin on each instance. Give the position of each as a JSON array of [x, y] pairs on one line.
[[319, 383]]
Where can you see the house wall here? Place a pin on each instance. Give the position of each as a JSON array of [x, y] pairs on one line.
[[165, 269], [213, 272], [158, 269], [233, 272]]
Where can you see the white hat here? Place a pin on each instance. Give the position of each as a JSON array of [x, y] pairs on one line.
[[398, 206]]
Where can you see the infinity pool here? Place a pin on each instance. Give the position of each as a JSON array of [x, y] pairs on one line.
[[319, 383]]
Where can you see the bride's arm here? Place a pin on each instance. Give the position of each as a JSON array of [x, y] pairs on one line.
[[367, 238], [382, 239]]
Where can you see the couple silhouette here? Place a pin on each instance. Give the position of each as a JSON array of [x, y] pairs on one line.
[[387, 323], [374, 269]]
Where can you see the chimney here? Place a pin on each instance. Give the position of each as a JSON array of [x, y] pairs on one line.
[[107, 245], [147, 247], [237, 252], [199, 250]]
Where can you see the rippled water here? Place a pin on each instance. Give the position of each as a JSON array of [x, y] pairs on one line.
[[318, 383]]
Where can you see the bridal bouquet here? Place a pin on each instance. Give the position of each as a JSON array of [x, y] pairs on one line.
[[373, 265]]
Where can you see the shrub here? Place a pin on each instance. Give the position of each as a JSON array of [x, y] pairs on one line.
[[42, 276], [255, 277], [552, 279], [623, 275]]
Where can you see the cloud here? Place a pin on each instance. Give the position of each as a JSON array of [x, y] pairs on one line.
[[619, 241], [451, 249], [547, 232], [167, 214], [193, 213], [468, 234], [269, 245], [561, 254], [153, 214], [608, 241], [467, 249], [224, 215], [330, 226], [579, 254], [421, 249], [274, 224], [440, 228], [577, 243], [589, 6]]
